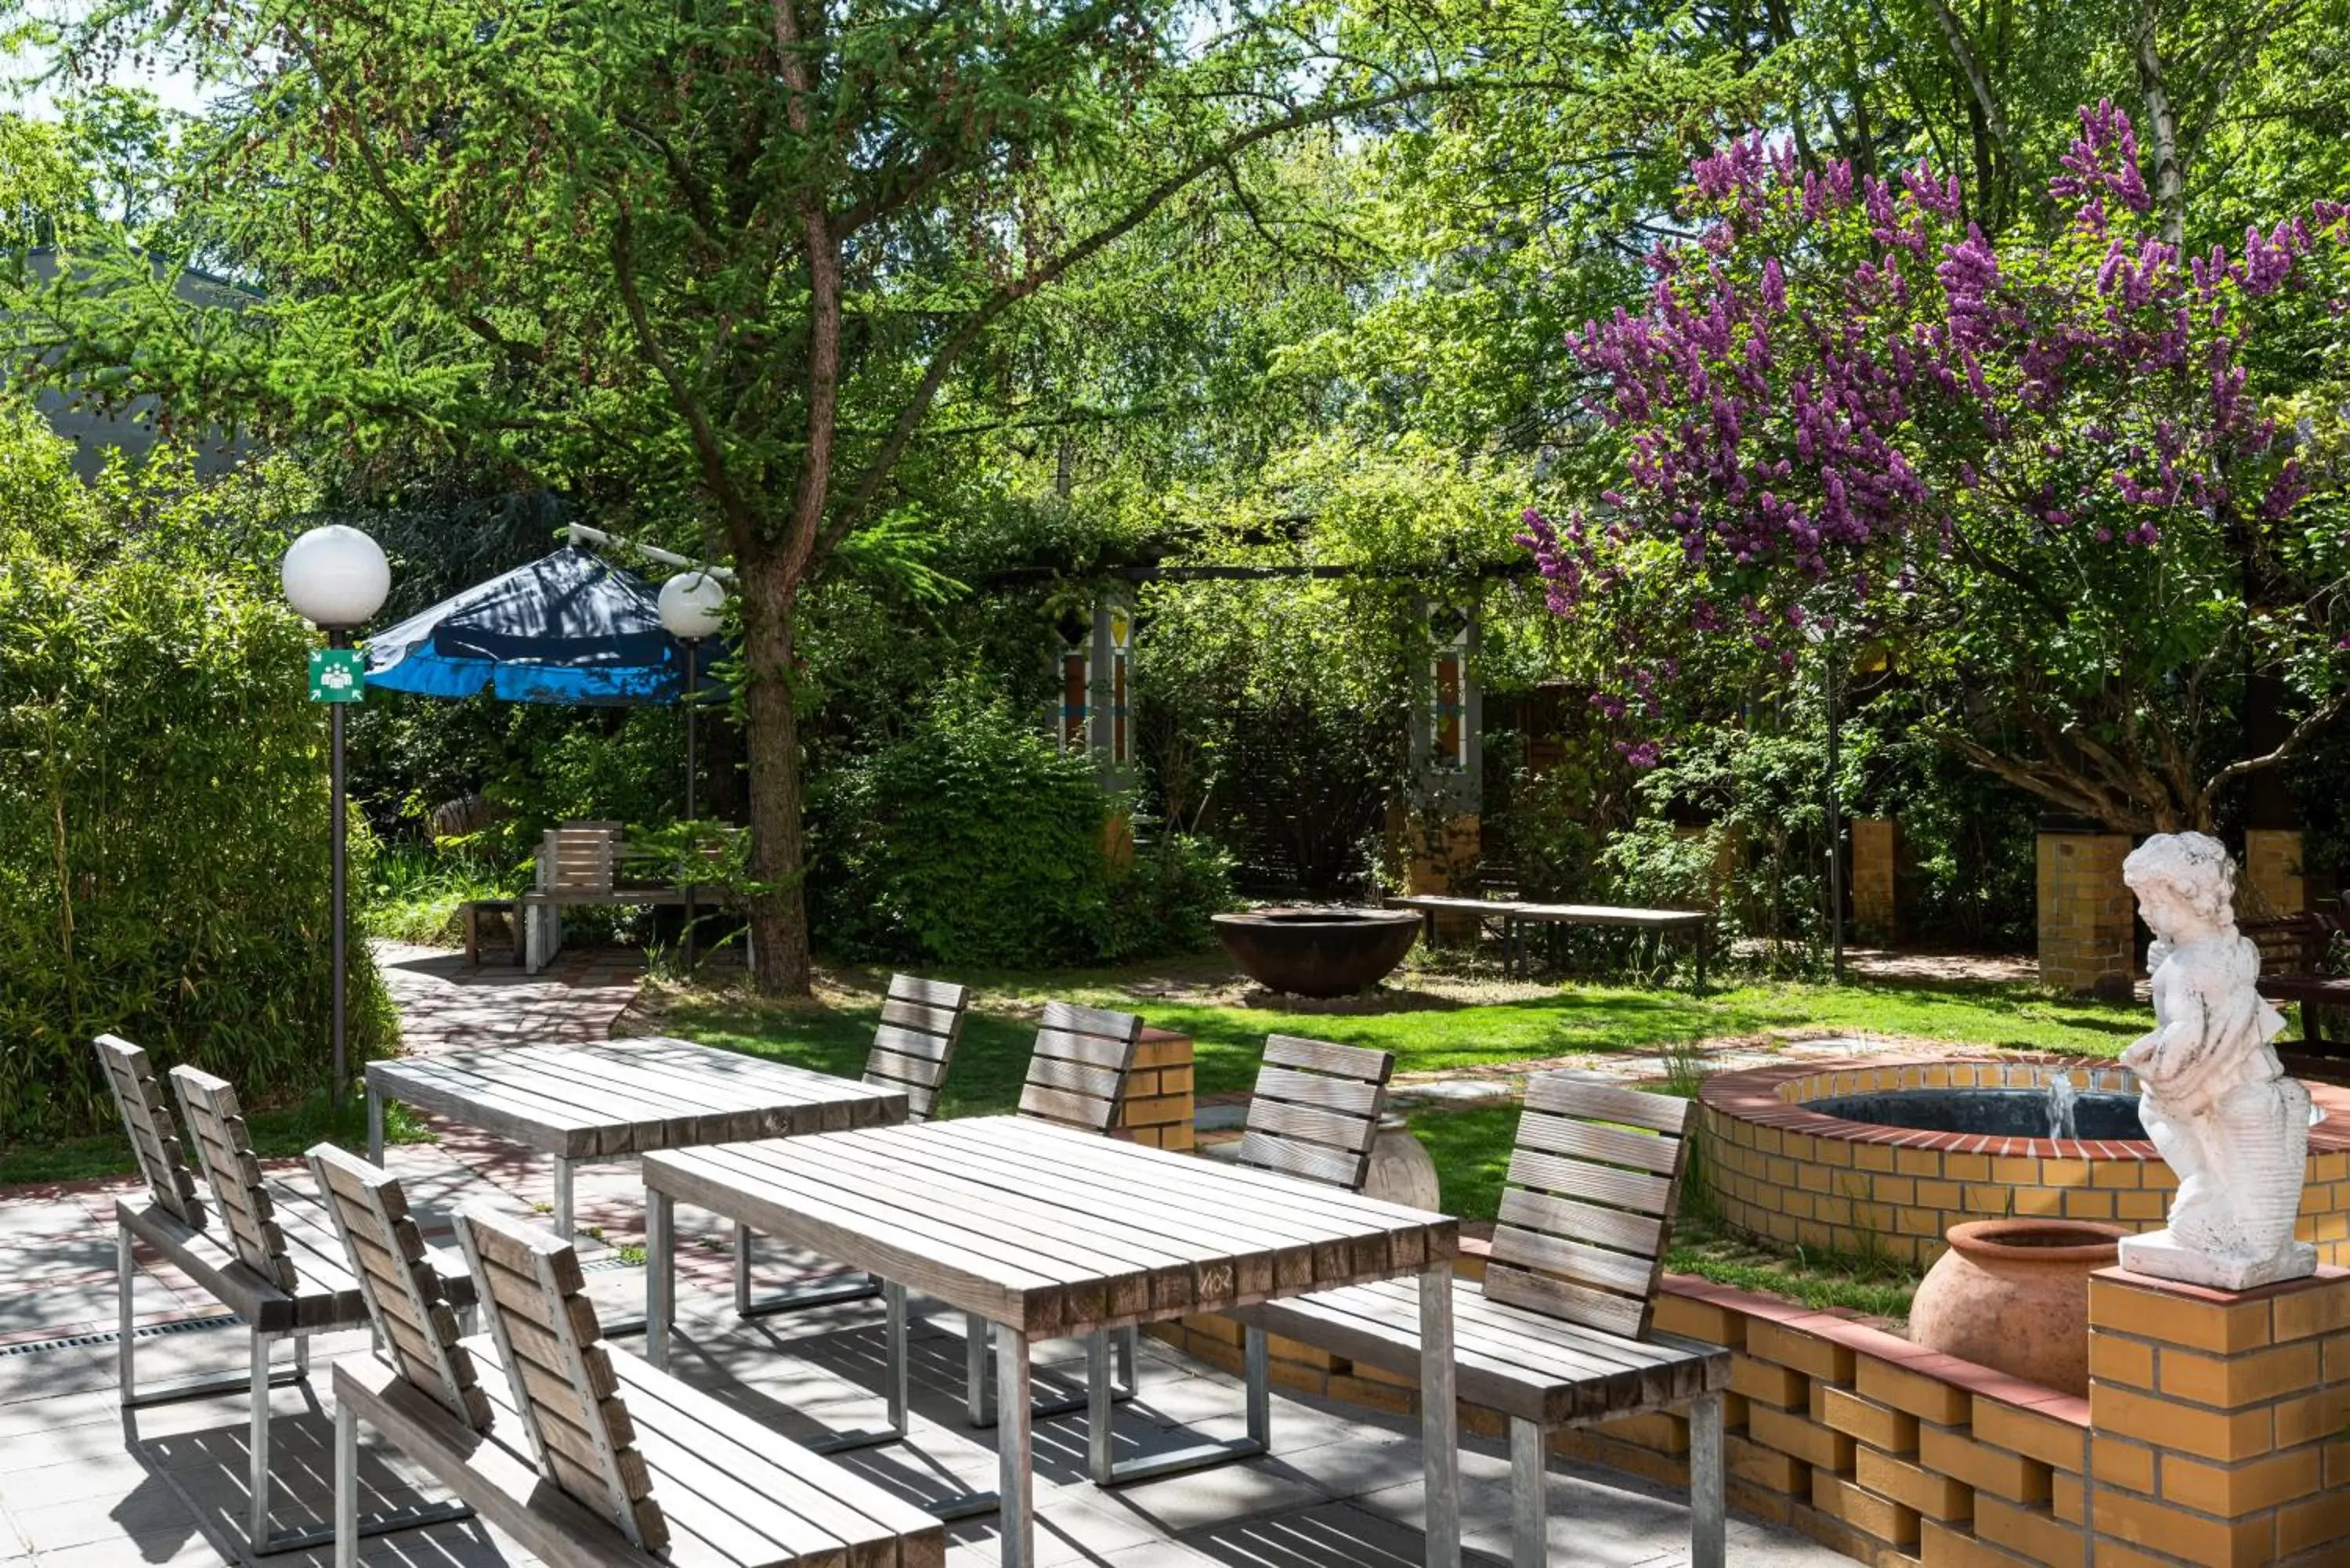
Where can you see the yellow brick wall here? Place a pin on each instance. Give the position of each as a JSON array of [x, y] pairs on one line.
[[2219, 1422], [2086, 913], [1157, 1107], [1809, 1190], [2273, 884], [1875, 853]]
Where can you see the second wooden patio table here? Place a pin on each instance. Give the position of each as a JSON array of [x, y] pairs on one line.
[[1050, 1233]]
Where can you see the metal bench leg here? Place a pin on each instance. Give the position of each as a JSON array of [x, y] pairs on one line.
[[897, 1385], [375, 1125], [1529, 1495], [347, 1487], [977, 1333], [849, 1287], [1707, 1525], [126, 1374], [258, 1531]]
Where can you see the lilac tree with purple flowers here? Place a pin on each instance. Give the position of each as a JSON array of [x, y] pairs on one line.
[[2042, 478]]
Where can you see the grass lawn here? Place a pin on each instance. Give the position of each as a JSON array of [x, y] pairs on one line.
[[1430, 1030], [1427, 1029]]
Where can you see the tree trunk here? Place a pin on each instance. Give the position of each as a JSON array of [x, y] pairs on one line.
[[2162, 127], [779, 924]]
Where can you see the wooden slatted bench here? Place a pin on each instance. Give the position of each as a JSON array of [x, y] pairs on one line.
[[2294, 952], [913, 1046], [1559, 1334], [589, 1457], [276, 1262]]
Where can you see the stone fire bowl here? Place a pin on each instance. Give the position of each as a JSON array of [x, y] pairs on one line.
[[1318, 952]]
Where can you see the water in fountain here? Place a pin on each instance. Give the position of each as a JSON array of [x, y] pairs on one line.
[[2060, 1109]]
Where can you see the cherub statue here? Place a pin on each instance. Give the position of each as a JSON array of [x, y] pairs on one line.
[[2215, 1101]]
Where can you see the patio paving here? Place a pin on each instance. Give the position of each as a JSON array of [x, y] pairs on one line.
[[81, 1486]]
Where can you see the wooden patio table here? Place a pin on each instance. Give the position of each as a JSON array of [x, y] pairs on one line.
[[613, 1098], [1050, 1233]]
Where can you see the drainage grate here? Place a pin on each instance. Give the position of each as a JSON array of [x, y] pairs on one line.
[[109, 1336]]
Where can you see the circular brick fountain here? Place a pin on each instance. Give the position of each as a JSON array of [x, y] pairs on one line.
[[1791, 1162]]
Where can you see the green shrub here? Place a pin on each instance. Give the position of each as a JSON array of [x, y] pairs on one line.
[[162, 809], [973, 840], [1162, 903]]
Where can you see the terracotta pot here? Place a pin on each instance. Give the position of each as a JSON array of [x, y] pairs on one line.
[[1401, 1171], [2014, 1295]]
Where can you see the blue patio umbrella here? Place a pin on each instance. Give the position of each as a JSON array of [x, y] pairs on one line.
[[567, 628]]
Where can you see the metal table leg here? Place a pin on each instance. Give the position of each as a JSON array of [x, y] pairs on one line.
[[375, 1125], [660, 1274], [792, 1298], [1529, 1495], [1015, 1457], [1100, 1435], [1708, 1521], [562, 1196], [1440, 1418]]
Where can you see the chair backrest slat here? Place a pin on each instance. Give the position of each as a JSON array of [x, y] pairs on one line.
[[1586, 1214], [578, 858], [1316, 1110], [404, 1293], [1078, 1073], [921, 1024], [564, 1385], [154, 1139], [215, 1125]]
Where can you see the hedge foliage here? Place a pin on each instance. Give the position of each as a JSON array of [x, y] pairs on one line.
[[163, 817], [975, 840]]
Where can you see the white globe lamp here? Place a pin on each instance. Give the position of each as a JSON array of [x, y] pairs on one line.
[[694, 605], [336, 578]]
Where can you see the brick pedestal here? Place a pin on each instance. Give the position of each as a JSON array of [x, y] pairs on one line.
[[1156, 1109], [2218, 1423], [2273, 873], [1875, 848], [1443, 859], [2085, 912]]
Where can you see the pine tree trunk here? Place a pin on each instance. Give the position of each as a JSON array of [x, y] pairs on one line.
[[772, 735]]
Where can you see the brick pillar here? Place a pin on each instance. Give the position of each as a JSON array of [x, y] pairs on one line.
[[2086, 913], [2273, 871], [1876, 847], [1157, 1107], [2216, 1422], [1443, 854]]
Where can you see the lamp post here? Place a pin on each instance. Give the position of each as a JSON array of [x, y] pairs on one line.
[[692, 606], [335, 578]]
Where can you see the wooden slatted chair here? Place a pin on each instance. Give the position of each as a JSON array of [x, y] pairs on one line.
[[1076, 1079], [1316, 1109], [272, 1258], [591, 1457], [1560, 1333], [1313, 1115], [913, 1045]]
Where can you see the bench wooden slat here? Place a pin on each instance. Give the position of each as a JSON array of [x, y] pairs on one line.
[[1314, 1112], [1647, 1152], [1290, 1157], [147, 1119], [1083, 1050], [1359, 1098], [403, 1291], [578, 1431], [209, 1106], [1565, 1095]]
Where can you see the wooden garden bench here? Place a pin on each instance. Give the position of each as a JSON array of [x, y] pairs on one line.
[[1559, 1334], [590, 1457], [2293, 953], [913, 1045], [1076, 1079], [276, 1263]]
